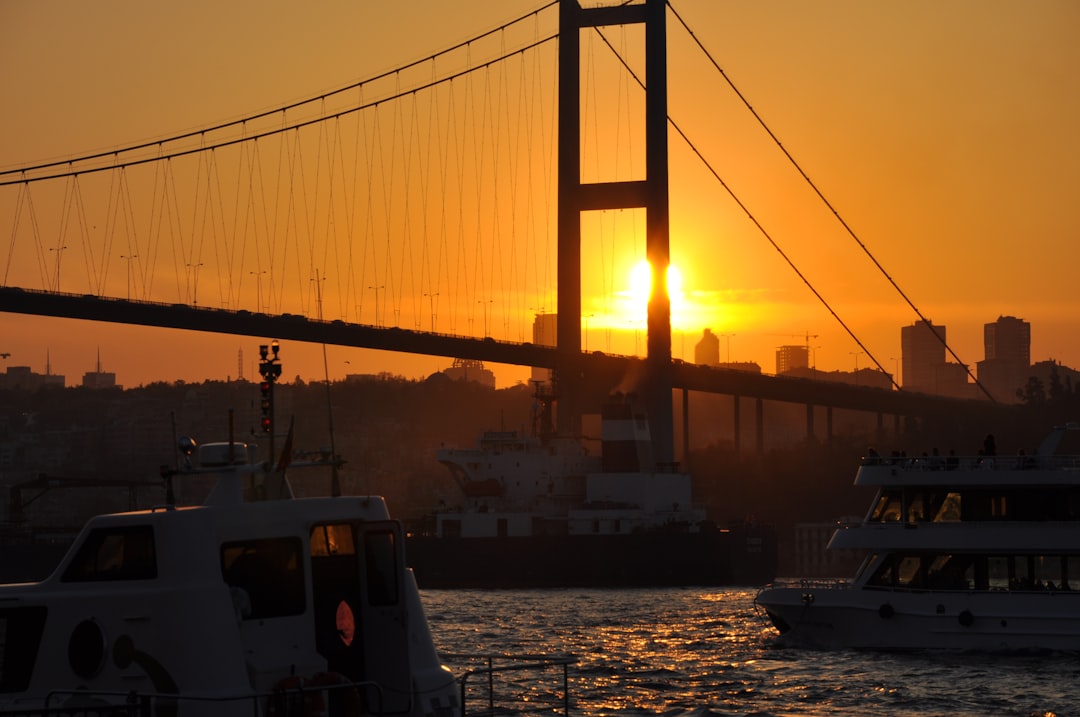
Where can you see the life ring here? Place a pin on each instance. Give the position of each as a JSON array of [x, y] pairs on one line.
[[965, 618], [333, 687], [886, 611], [295, 696]]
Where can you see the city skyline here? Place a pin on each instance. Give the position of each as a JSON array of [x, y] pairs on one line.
[[925, 352]]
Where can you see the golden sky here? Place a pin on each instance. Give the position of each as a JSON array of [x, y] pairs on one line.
[[943, 133]]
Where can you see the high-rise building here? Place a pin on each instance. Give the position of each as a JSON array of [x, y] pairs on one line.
[[707, 350], [922, 347], [545, 333], [792, 357], [1007, 357]]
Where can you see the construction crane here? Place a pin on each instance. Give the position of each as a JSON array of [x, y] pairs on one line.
[[806, 336]]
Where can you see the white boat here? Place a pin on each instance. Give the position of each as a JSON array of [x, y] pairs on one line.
[[540, 510], [977, 553], [253, 603], [232, 607]]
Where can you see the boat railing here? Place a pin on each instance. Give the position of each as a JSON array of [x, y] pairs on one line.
[[332, 696], [989, 463], [811, 583], [513, 684], [491, 685]]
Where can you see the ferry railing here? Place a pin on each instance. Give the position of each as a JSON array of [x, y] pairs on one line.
[[339, 698], [514, 684], [495, 685]]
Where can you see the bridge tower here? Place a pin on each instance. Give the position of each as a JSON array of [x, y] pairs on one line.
[[651, 193]]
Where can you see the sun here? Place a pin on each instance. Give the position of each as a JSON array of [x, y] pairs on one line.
[[641, 283]]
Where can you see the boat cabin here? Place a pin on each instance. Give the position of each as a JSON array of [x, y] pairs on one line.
[[225, 608]]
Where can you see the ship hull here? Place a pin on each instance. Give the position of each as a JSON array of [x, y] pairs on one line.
[[958, 619], [744, 556]]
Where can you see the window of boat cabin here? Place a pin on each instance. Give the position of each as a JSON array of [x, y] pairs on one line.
[[888, 508], [899, 571], [270, 574], [380, 554], [114, 553], [1070, 578], [333, 558]]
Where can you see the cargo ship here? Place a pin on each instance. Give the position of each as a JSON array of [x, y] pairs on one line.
[[541, 510]]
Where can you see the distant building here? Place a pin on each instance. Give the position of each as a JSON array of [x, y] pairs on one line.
[[707, 350], [24, 379], [814, 560], [1055, 378], [865, 377], [1006, 366], [471, 370], [922, 347], [99, 378], [790, 358], [545, 333]]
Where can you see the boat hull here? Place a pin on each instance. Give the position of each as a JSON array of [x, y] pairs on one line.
[[893, 619], [649, 559]]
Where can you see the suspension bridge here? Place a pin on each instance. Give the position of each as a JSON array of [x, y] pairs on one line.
[[435, 208]]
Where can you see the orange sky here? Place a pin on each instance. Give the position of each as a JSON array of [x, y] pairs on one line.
[[944, 134]]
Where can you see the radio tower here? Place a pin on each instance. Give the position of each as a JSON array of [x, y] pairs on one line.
[[240, 364]]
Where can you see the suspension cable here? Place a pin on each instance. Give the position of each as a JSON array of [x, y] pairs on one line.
[[19, 175], [831, 208], [750, 215]]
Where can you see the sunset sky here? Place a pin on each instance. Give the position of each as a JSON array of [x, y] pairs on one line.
[[945, 135]]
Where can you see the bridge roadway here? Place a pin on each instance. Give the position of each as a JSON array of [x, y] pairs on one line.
[[602, 372]]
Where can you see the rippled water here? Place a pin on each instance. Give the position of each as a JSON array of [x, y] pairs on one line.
[[707, 652]]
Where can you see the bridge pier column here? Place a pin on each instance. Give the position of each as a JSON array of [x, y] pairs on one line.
[[828, 424], [686, 430], [809, 421], [737, 423], [759, 418]]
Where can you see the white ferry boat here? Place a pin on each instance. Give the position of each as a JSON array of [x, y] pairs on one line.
[[232, 607], [979, 553]]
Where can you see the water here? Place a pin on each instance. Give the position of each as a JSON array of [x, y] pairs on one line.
[[698, 652]]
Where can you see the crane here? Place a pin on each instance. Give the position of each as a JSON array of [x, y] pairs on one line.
[[806, 336]]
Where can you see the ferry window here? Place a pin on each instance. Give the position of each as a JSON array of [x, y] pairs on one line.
[[998, 572], [908, 571], [977, 505], [888, 507], [1046, 570], [380, 560], [332, 540], [899, 571], [270, 573], [916, 511], [951, 572], [1071, 578], [117, 553], [20, 638], [949, 512]]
